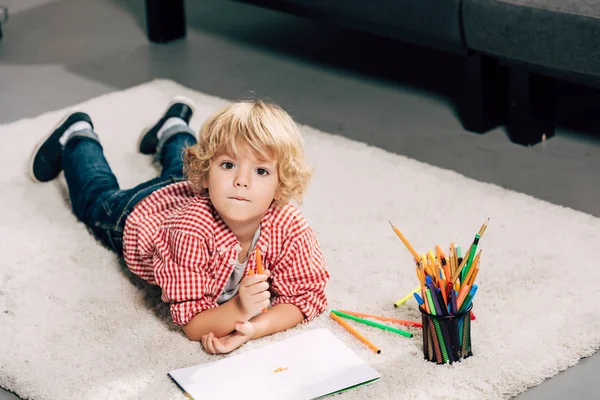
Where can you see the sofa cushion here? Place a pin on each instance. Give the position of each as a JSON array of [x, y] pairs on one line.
[[556, 34]]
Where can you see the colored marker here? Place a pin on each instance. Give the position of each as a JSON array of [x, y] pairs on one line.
[[374, 324]]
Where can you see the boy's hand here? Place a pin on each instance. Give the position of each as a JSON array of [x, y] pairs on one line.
[[254, 294], [213, 345]]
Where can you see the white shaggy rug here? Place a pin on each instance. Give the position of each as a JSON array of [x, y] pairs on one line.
[[74, 325]]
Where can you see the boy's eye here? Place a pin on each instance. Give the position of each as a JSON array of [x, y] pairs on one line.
[[227, 165], [262, 172]]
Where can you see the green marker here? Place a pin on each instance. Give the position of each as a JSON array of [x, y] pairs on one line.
[[371, 323], [471, 256], [440, 337]]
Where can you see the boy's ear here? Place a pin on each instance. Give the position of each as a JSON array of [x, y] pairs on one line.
[[277, 195]]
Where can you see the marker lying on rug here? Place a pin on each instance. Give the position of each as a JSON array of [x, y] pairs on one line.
[[371, 323], [354, 332], [384, 319]]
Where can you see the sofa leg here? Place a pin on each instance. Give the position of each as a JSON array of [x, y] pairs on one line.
[[483, 106], [3, 18], [165, 20], [531, 107]]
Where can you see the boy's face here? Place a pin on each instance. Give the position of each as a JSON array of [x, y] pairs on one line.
[[241, 187]]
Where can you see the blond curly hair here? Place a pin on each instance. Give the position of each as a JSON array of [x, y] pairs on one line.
[[269, 131]]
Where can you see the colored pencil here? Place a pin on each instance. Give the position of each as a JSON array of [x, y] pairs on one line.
[[465, 259], [405, 241], [467, 277]]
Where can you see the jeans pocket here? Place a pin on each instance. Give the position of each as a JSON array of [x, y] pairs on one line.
[[110, 204]]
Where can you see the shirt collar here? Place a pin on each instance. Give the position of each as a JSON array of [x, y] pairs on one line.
[[225, 239]]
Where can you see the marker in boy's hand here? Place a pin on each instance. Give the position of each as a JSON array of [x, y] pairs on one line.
[[254, 293]]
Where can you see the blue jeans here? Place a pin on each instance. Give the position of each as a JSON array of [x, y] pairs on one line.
[[95, 195]]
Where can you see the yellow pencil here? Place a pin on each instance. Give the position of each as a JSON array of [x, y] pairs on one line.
[[483, 227], [406, 243], [472, 280], [475, 262], [451, 259]]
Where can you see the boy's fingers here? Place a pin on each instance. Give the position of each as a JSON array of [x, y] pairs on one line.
[[205, 343], [264, 304], [217, 346], [258, 288], [265, 295], [210, 343], [253, 280]]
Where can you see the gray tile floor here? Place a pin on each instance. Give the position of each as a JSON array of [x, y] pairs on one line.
[[403, 99]]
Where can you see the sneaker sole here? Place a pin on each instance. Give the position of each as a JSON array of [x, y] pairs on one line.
[[177, 99], [41, 143]]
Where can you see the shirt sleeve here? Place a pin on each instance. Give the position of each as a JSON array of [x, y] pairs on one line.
[[180, 270], [300, 278]]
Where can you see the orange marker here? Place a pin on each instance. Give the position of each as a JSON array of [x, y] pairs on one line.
[[464, 290], [355, 333], [443, 290], [444, 261], [384, 319], [441, 254], [259, 267]]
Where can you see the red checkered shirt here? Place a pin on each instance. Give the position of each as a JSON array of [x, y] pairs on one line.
[[177, 241]]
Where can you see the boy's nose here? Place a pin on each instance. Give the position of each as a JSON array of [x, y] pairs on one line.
[[241, 180]]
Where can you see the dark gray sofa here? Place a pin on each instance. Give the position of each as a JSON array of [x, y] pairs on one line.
[[560, 35], [513, 50]]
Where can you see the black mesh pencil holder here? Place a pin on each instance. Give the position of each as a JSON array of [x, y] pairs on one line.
[[446, 339]]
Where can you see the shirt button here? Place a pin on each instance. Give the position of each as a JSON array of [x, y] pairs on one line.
[[222, 249], [231, 261], [264, 248], [237, 248]]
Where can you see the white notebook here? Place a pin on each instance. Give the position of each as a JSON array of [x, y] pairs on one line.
[[307, 366]]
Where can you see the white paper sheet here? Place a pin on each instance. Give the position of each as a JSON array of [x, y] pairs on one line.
[[306, 366]]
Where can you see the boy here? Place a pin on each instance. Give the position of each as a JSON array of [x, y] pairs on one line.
[[198, 238]]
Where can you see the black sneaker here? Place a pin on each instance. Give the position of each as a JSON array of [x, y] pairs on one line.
[[180, 107], [46, 160]]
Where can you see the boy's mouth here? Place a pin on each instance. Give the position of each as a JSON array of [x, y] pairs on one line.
[[239, 198]]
